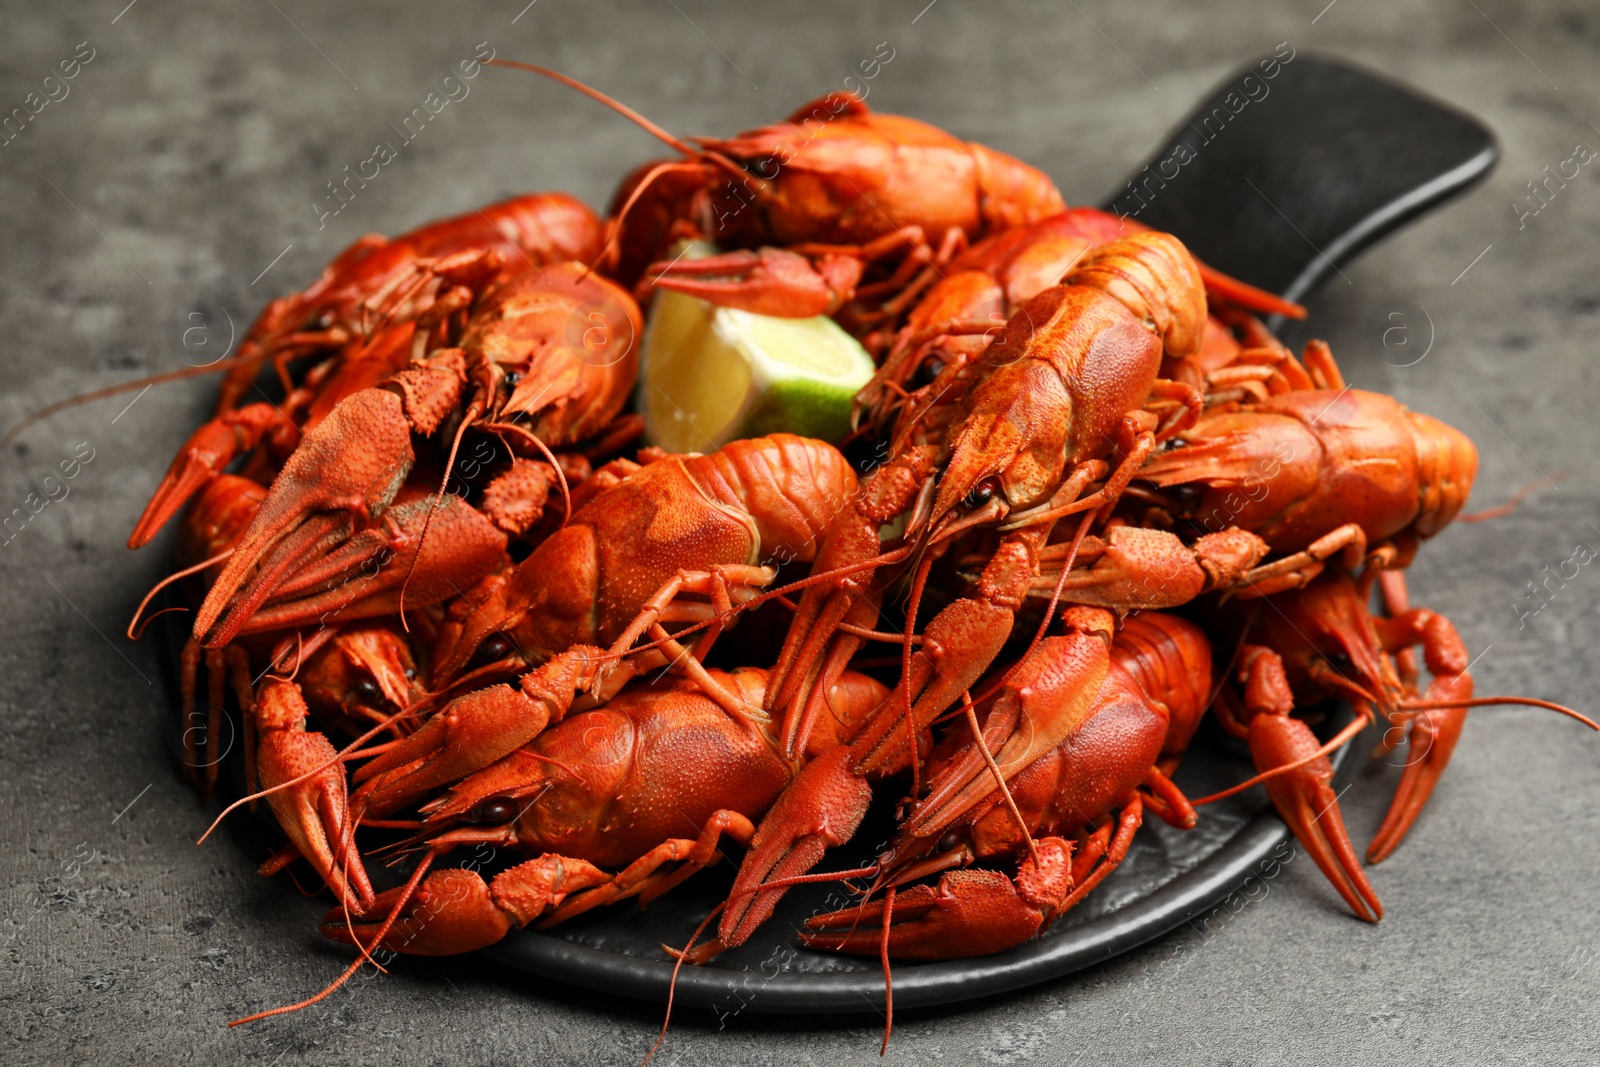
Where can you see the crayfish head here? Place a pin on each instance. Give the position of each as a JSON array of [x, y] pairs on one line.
[[1057, 390], [556, 347], [364, 668], [1326, 635], [1010, 447], [493, 797], [523, 617]]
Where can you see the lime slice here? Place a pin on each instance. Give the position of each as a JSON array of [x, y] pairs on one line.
[[711, 375]]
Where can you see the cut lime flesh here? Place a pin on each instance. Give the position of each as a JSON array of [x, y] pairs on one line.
[[711, 375]]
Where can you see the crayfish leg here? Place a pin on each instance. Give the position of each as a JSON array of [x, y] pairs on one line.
[[645, 877]]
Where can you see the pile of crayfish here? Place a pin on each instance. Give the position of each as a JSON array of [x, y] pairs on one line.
[[459, 602]]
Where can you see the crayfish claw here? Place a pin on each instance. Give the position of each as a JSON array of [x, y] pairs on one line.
[[314, 812], [821, 807], [203, 457], [471, 733], [967, 913], [702, 953], [1429, 744], [772, 281], [1305, 799], [352, 464], [451, 911], [455, 911]]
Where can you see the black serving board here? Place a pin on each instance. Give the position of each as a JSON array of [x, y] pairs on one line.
[[1292, 185]]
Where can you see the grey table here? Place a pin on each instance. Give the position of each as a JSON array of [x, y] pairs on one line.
[[179, 172]]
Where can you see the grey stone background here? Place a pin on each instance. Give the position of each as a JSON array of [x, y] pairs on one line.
[[184, 162]]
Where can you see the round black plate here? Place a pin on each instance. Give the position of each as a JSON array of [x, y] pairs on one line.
[[1168, 877]]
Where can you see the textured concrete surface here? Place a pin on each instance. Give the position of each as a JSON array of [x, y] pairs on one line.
[[183, 164]]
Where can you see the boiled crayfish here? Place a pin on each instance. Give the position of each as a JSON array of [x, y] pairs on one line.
[[433, 576]]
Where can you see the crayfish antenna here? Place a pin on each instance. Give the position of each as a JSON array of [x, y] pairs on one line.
[[122, 387], [612, 244], [364, 957], [1435, 724], [1511, 504], [655, 130], [999, 779], [444, 483], [672, 987], [687, 954], [1361, 722], [135, 631], [1483, 702], [561, 477], [888, 978], [670, 140]]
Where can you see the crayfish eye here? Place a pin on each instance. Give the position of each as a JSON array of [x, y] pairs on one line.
[[948, 842], [493, 649], [367, 691], [493, 811], [980, 495], [928, 372]]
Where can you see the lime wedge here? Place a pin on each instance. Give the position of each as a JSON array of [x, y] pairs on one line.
[[711, 375]]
